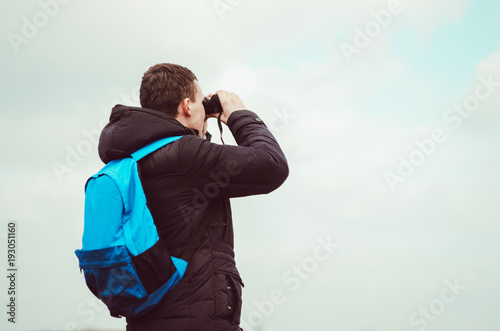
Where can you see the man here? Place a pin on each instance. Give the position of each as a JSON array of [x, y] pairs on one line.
[[190, 180]]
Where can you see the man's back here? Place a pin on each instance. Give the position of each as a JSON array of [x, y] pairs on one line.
[[186, 182]]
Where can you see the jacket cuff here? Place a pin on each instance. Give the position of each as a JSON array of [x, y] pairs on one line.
[[241, 117]]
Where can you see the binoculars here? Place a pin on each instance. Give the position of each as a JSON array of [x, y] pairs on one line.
[[212, 104]]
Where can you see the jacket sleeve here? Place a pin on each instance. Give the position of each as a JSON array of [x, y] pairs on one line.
[[256, 166]]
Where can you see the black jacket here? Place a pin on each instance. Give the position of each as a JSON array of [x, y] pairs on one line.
[[185, 182]]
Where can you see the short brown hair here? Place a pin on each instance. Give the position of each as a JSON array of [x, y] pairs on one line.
[[165, 85]]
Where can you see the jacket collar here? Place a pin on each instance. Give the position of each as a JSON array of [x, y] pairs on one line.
[[131, 128]]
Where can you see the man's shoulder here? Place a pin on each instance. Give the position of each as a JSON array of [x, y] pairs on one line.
[[193, 146]]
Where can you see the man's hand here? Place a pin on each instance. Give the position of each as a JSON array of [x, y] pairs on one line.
[[230, 103]]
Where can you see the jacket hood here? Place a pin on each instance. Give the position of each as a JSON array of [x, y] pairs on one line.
[[131, 128]]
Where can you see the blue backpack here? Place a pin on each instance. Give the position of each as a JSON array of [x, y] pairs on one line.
[[125, 262]]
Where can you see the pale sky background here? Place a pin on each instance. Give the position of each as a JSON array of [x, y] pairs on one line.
[[344, 124]]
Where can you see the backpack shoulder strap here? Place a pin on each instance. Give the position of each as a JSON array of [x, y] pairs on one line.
[[153, 147], [196, 239]]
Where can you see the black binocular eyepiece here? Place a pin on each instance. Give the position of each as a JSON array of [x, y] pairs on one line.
[[212, 104]]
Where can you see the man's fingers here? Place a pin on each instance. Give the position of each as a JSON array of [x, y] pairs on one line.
[[230, 102], [222, 95]]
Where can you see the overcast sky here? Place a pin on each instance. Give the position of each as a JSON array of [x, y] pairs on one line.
[[388, 113]]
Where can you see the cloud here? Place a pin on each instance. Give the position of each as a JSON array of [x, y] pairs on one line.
[[283, 58], [490, 65]]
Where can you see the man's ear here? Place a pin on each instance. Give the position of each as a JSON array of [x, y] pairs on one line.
[[185, 107]]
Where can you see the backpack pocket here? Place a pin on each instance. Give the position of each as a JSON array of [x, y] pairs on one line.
[[111, 275], [124, 282]]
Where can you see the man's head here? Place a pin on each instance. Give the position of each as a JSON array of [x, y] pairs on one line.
[[174, 90]]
